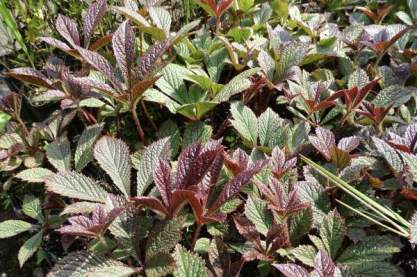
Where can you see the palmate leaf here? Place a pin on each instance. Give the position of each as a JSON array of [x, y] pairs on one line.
[[188, 264], [34, 175], [153, 153], [245, 122], [75, 185], [59, 154], [123, 47], [29, 248], [10, 228], [114, 157], [91, 18], [83, 263], [84, 152]]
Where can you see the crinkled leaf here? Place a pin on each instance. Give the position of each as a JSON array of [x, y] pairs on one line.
[[75, 185], [34, 175], [245, 122], [305, 253], [163, 237], [188, 264], [323, 265], [332, 232], [389, 154], [149, 59], [314, 194], [30, 75], [196, 131], [358, 78], [269, 128], [292, 270], [83, 263], [67, 28], [237, 85], [92, 17], [256, 211], [84, 151], [114, 157], [395, 95], [59, 154], [123, 46], [158, 150], [161, 18]]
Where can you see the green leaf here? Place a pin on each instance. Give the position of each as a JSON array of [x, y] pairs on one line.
[[114, 157], [245, 122], [313, 193], [32, 207], [196, 111], [34, 175], [196, 131], [267, 63], [395, 95], [161, 18], [370, 249], [188, 264], [158, 150], [84, 151], [239, 34], [389, 154], [358, 78], [305, 253], [238, 84], [215, 63], [413, 228], [300, 225], [161, 264], [170, 129], [10, 228], [163, 237], [82, 263], [292, 54], [257, 212], [269, 128], [332, 232], [75, 185], [29, 248], [59, 154], [245, 5]]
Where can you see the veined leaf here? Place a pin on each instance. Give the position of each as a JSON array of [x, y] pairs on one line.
[[245, 122], [114, 157], [59, 154], [29, 248], [158, 150], [75, 185], [82, 263], [123, 47], [389, 154], [84, 151], [92, 17], [358, 79], [10, 228], [161, 18], [196, 131], [269, 128], [256, 211], [238, 84], [163, 237], [34, 175], [332, 232], [188, 264], [67, 28], [32, 207]]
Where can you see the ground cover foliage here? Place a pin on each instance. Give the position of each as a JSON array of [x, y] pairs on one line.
[[209, 138]]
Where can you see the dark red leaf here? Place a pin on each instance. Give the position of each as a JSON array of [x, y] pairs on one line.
[[68, 30], [149, 59], [123, 48], [91, 18], [162, 179], [246, 229], [151, 203], [30, 75]]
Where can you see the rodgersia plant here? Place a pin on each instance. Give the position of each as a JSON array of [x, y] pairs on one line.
[[283, 140]]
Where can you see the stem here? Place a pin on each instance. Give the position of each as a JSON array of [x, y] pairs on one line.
[[145, 111], [196, 235], [103, 241], [139, 129], [218, 23]]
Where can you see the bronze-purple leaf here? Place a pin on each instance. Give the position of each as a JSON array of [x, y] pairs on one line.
[[246, 229], [92, 226], [348, 144], [123, 47], [324, 141], [56, 43], [292, 270], [67, 28], [237, 162], [30, 75], [162, 179], [323, 265], [91, 18], [149, 59], [101, 64]]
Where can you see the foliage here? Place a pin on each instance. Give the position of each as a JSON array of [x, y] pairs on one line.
[[209, 138]]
